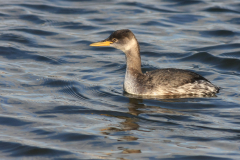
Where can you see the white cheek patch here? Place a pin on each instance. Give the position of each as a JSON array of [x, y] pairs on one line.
[[132, 43], [126, 47]]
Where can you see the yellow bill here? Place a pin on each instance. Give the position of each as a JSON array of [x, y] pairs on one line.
[[105, 43]]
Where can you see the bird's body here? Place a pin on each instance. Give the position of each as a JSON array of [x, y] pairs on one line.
[[169, 81]]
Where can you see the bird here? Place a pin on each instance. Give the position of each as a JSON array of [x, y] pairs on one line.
[[159, 82]]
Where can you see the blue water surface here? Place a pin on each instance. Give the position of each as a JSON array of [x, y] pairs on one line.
[[62, 99]]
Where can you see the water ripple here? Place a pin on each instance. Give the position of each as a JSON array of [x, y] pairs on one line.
[[185, 2], [220, 63], [72, 137], [149, 7], [32, 18], [217, 33], [18, 150], [58, 9], [220, 9], [35, 32]]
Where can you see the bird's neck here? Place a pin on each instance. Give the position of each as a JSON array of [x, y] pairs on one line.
[[133, 70], [133, 59]]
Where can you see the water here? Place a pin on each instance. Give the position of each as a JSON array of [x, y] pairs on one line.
[[62, 99]]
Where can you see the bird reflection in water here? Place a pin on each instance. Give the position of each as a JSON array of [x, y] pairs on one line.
[[132, 119]]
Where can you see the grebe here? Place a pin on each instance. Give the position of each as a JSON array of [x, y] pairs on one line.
[[168, 81]]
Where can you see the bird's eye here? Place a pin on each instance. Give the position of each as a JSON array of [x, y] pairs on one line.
[[114, 40]]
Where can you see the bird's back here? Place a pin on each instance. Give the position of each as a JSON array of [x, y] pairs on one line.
[[171, 77]]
